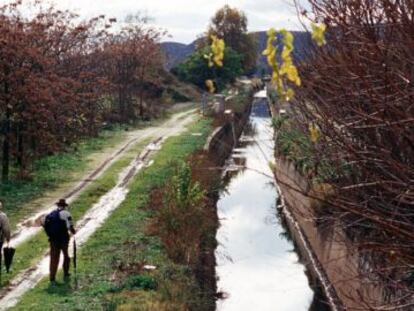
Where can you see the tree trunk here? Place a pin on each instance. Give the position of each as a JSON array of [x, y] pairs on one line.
[[6, 148], [6, 141], [121, 104], [33, 145], [141, 105], [20, 148]]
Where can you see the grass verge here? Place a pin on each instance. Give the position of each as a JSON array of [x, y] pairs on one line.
[[31, 251], [65, 168], [110, 271], [49, 172]]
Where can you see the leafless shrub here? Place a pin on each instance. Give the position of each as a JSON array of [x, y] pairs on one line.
[[359, 91]]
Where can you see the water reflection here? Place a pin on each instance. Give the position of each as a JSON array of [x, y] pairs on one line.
[[256, 265]]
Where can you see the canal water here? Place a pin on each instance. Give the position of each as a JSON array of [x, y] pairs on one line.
[[257, 268]]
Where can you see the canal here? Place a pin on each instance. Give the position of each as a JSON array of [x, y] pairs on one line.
[[257, 267]]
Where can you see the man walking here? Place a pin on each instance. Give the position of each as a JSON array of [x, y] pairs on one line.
[[57, 225], [4, 228]]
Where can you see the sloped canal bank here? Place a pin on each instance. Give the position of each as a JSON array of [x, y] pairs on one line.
[[257, 267]]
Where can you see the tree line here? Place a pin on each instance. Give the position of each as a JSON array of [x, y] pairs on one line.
[[61, 77]]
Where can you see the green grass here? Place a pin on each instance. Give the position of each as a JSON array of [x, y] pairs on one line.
[[32, 250], [49, 172], [109, 274]]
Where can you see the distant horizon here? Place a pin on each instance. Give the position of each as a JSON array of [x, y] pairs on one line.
[[256, 31]]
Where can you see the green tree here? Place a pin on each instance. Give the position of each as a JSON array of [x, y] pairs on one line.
[[230, 24], [196, 70]]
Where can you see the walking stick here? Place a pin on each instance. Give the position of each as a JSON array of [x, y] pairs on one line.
[[74, 261], [1, 255]]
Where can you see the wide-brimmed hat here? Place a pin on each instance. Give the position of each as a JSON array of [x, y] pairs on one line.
[[62, 203]]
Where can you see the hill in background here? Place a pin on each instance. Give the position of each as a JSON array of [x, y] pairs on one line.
[[176, 53]]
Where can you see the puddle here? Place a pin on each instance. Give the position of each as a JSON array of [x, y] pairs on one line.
[[257, 267]]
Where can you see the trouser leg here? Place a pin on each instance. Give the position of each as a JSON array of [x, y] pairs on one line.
[[1, 255], [54, 260], [66, 259]]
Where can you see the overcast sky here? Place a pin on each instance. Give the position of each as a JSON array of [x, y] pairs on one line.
[[185, 19]]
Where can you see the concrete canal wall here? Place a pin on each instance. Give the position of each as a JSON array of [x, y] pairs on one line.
[[332, 259], [221, 142]]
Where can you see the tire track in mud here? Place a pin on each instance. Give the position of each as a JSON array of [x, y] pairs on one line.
[[30, 226], [93, 218]]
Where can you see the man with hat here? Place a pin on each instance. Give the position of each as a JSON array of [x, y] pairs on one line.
[[57, 225], [4, 228]]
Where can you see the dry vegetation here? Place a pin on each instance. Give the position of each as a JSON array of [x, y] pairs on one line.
[[359, 91]]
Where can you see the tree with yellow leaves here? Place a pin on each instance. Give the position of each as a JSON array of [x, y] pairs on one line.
[[285, 72], [211, 67], [230, 24], [216, 55], [215, 58]]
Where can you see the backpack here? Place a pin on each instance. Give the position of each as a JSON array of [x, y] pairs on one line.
[[1, 235], [1, 230], [55, 227]]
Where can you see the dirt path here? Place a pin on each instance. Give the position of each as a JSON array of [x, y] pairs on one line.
[[30, 226], [100, 211]]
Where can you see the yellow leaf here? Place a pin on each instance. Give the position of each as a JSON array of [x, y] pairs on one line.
[[314, 133], [318, 33], [217, 47], [210, 86], [286, 71]]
